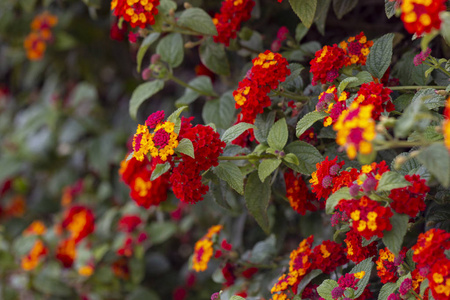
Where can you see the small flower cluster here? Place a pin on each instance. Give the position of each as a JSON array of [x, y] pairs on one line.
[[128, 224], [322, 180], [329, 102], [377, 95], [300, 198], [356, 129], [161, 143], [446, 124], [203, 249], [136, 174], [328, 256], [388, 263], [330, 59], [422, 16], [139, 13], [356, 252], [410, 200], [36, 42], [39, 250], [282, 35], [269, 69], [421, 57], [69, 192], [347, 281], [228, 21]]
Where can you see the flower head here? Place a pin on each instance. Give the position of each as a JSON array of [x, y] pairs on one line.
[[411, 199], [66, 252], [446, 124], [300, 198], [328, 256], [387, 265], [378, 96], [139, 13], [37, 253], [422, 16], [357, 49], [356, 252], [79, 221], [326, 64], [439, 279], [430, 248], [322, 179]]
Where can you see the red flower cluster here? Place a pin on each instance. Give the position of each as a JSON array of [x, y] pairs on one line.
[[328, 256], [139, 13], [355, 250], [439, 279], [421, 16], [430, 248], [322, 180], [326, 64], [282, 35], [35, 42], [357, 49], [186, 177], [300, 198], [309, 136], [330, 103], [269, 69], [377, 95], [136, 174], [128, 224], [411, 199], [79, 221], [369, 217], [228, 21], [69, 192], [387, 265]]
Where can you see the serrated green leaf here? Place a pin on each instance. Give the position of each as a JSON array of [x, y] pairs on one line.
[[171, 49], [380, 55], [437, 160], [197, 20], [233, 132], [306, 280], [388, 288], [423, 286], [185, 147], [429, 98], [214, 57], [412, 164], [363, 77], [142, 93], [231, 173], [389, 8], [333, 200], [278, 135], [300, 32], [342, 7], [159, 232], [292, 159], [266, 167], [264, 251], [159, 170], [146, 43], [201, 83], [403, 101], [391, 180], [218, 190], [366, 266], [257, 196], [305, 10], [429, 134], [176, 114], [263, 125], [321, 15], [346, 82], [308, 120], [220, 111], [325, 289], [308, 156], [393, 239]]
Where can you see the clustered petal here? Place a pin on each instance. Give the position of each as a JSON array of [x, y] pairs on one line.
[[300, 198], [356, 252], [377, 95], [422, 16], [411, 199], [139, 13], [322, 179], [387, 265], [203, 249], [36, 41]]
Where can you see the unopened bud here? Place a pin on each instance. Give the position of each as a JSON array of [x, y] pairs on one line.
[[189, 45], [172, 12], [399, 161], [187, 5], [441, 92], [146, 74], [414, 154], [155, 59], [380, 128], [439, 129]]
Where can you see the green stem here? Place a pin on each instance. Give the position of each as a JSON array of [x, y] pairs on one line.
[[415, 294], [415, 87], [444, 70], [246, 157], [293, 96], [182, 83]]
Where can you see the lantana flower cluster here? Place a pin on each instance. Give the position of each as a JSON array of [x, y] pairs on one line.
[[329, 102], [138, 13], [203, 249], [422, 16], [228, 22], [35, 43], [129, 224], [298, 194]]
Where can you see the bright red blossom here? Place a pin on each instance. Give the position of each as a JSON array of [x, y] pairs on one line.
[[355, 250], [139, 13], [128, 223], [79, 221], [328, 256], [411, 199], [326, 64], [322, 180], [439, 279], [422, 16], [387, 265], [300, 198], [430, 248], [377, 95]]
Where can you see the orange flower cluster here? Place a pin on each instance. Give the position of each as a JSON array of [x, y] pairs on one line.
[[377, 95], [38, 251], [203, 249], [36, 42], [422, 16], [357, 49], [228, 21], [387, 265], [322, 180], [446, 124], [139, 13], [356, 252], [329, 102], [300, 198], [269, 69]]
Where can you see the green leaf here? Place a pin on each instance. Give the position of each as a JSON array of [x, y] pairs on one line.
[[342, 7], [403, 101], [264, 251], [437, 160], [333, 200], [10, 167], [234, 131], [391, 180], [411, 165], [429, 98], [346, 82], [380, 55], [429, 134], [257, 196], [236, 298], [146, 43], [159, 232], [445, 26], [321, 15], [307, 279], [363, 77], [231, 173], [325, 289], [142, 93], [410, 118], [292, 159], [388, 288], [393, 239], [51, 286], [278, 135], [300, 32], [159, 170], [176, 114], [366, 266], [308, 156], [171, 49], [419, 75], [220, 111], [423, 286], [308, 120], [198, 20], [263, 123], [305, 10], [267, 166], [214, 57], [201, 83], [185, 146], [389, 8]]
